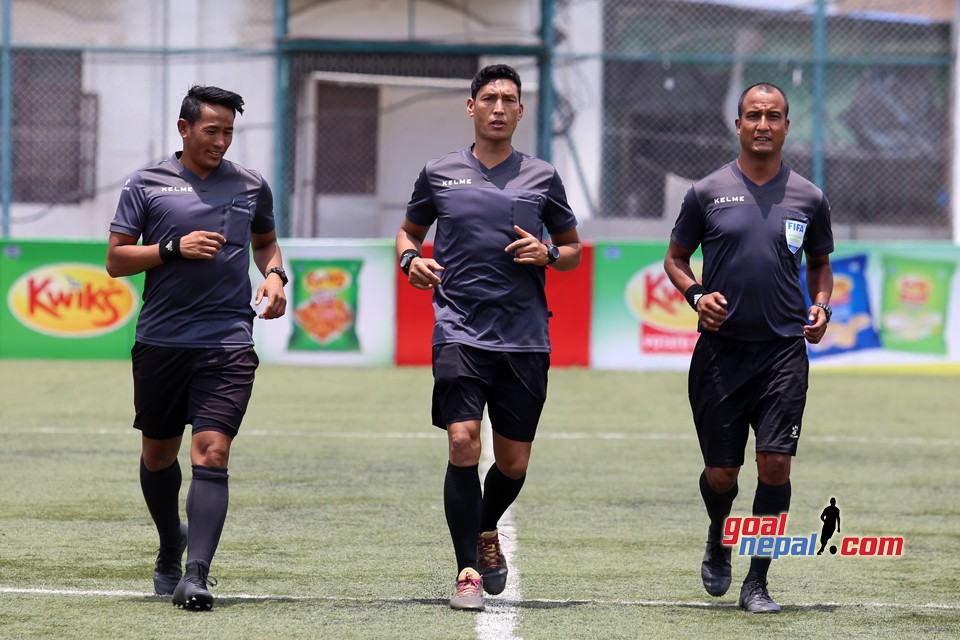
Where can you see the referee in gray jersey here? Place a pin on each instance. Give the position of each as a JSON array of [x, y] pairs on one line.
[[753, 218], [198, 216], [491, 342]]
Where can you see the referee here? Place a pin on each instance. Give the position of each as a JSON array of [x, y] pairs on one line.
[[193, 361], [754, 218], [491, 342]]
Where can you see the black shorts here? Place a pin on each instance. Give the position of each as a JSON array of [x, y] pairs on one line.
[[736, 385], [512, 385], [206, 388]]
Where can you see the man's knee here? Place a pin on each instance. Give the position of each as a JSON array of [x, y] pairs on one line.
[[722, 479], [773, 468]]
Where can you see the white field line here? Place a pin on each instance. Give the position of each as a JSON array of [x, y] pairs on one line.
[[109, 593], [428, 434], [498, 621]]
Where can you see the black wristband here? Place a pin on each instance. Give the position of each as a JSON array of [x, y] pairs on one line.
[[406, 258], [693, 293], [170, 250]]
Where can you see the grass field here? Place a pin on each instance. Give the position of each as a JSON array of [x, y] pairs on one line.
[[336, 525]]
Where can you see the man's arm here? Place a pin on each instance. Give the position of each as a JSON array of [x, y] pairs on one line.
[[126, 258], [423, 271], [820, 288], [266, 255], [711, 306]]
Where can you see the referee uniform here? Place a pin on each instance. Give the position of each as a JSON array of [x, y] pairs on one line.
[[754, 220]]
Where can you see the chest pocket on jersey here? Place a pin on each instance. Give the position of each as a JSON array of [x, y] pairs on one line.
[[235, 222], [526, 215]]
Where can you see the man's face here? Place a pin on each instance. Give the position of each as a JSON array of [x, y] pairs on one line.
[[207, 140], [496, 110], [763, 125]]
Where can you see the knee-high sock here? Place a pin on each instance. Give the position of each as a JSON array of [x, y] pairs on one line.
[[718, 505], [499, 492], [768, 501], [461, 504], [207, 501], [161, 492]]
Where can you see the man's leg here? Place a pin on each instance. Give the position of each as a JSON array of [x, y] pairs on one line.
[[718, 488], [502, 485], [207, 502], [160, 481], [462, 501], [772, 498]]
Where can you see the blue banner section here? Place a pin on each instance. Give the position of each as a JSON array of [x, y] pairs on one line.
[[853, 325]]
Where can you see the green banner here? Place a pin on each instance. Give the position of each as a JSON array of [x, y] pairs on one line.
[[916, 298], [59, 302]]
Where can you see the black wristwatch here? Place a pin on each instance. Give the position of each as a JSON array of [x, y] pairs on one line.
[[826, 309], [280, 272], [553, 253], [406, 258]]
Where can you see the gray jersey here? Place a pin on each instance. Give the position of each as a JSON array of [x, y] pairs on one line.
[[753, 238], [196, 303], [485, 299]]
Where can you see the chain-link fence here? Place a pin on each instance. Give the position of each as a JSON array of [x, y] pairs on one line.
[[869, 103], [341, 130]]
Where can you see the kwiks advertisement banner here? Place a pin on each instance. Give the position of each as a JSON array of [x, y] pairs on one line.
[[340, 305], [896, 303], [59, 302]]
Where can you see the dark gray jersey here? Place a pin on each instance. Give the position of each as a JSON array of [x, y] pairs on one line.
[[485, 299], [196, 303], [752, 237]]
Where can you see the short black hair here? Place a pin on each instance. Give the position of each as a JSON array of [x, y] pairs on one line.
[[765, 87], [198, 95], [494, 72]]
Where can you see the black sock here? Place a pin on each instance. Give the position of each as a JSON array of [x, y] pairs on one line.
[[161, 492], [718, 505], [461, 504], [207, 501], [499, 492], [768, 501]]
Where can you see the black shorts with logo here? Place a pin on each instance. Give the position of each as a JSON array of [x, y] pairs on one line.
[[512, 385], [206, 388], [736, 385]]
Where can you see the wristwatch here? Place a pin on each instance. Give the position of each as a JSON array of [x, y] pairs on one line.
[[826, 309], [406, 258], [280, 272], [553, 253]]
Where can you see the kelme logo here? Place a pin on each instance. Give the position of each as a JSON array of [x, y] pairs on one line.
[[71, 300]]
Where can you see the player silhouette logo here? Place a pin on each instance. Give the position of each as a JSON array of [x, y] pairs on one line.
[[831, 521]]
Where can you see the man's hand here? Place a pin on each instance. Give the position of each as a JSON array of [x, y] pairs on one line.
[[527, 249], [201, 245], [272, 289], [814, 331], [712, 311], [424, 273]]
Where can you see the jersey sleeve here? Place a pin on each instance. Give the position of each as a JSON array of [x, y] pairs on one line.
[[820, 242], [130, 218], [422, 209], [263, 219], [688, 230], [557, 214]]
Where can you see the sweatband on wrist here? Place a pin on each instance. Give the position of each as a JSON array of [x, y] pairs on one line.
[[170, 250], [693, 293]]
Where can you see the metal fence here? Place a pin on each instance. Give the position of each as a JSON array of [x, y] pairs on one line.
[[869, 100], [341, 130]]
